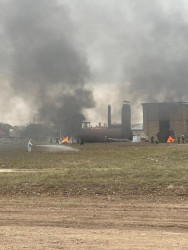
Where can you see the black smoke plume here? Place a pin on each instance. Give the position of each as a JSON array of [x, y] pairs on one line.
[[45, 64], [140, 47]]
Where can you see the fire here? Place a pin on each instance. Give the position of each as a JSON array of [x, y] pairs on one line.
[[65, 140], [170, 139]]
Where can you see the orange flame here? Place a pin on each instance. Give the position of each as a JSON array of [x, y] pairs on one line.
[[170, 139], [65, 140]]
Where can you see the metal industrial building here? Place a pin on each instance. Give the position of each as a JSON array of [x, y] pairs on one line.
[[164, 119]]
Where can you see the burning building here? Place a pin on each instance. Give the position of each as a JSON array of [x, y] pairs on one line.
[[165, 119]]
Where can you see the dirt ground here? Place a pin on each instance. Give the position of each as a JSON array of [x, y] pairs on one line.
[[93, 223]]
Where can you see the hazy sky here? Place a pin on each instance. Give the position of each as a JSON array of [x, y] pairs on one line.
[[72, 56]]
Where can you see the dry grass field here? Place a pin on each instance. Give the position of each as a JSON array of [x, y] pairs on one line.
[[101, 196]]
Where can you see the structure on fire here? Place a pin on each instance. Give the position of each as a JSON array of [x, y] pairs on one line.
[[165, 119]]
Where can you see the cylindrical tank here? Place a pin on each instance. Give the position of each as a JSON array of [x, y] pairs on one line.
[[126, 121]]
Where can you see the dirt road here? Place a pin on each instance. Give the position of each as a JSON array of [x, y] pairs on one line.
[[93, 223]]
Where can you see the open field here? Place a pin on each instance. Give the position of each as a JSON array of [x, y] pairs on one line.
[[97, 169], [103, 196]]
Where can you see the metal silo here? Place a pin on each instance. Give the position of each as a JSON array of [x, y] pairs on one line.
[[126, 121]]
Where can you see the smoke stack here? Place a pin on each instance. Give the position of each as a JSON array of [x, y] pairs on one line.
[[126, 121], [109, 116]]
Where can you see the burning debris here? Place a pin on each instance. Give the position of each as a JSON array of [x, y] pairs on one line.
[[65, 140], [170, 139]]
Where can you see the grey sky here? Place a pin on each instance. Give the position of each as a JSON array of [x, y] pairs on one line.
[[98, 52]]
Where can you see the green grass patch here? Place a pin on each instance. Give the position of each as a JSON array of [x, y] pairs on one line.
[[102, 168]]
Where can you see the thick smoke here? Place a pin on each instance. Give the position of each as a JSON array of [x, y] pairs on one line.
[[156, 59], [136, 51], [45, 64], [138, 47]]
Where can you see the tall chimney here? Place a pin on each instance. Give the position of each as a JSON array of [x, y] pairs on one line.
[[126, 121], [109, 116]]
